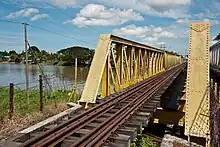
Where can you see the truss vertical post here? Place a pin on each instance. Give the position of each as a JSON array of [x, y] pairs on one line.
[[151, 63], [144, 59], [136, 65], [148, 63], [105, 79], [119, 62], [154, 63], [129, 55], [157, 62]]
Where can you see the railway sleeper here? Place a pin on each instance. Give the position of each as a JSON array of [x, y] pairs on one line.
[[121, 139], [150, 107], [147, 109], [100, 119], [89, 127], [128, 131], [93, 124], [35, 133], [111, 144], [11, 143], [49, 127], [134, 124], [107, 115], [145, 114], [69, 141], [142, 119], [82, 131], [113, 110]]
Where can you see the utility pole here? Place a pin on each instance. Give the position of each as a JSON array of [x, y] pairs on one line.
[[26, 61]]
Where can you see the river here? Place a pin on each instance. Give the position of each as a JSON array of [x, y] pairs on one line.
[[15, 73]]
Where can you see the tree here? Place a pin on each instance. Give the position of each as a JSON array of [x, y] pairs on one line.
[[69, 54], [33, 49], [13, 52]]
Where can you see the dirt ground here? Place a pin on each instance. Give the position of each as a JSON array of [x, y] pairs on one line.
[[9, 127]]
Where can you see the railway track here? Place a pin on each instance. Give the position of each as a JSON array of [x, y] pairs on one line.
[[95, 126]]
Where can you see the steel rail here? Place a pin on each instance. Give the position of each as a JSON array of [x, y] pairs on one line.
[[74, 122], [143, 90], [112, 119], [60, 127], [84, 117], [111, 127]]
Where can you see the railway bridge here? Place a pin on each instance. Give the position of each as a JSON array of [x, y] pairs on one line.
[[130, 85]]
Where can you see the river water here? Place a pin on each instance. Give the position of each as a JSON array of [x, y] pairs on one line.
[[15, 73]]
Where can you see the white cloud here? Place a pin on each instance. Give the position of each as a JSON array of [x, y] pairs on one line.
[[24, 12], [99, 15], [33, 13], [213, 22], [188, 21], [146, 33], [208, 14], [153, 42], [162, 8], [163, 5], [143, 5], [39, 16], [157, 29], [165, 34], [150, 39], [64, 3], [132, 30], [183, 21]]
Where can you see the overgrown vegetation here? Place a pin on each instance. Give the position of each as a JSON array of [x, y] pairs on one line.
[[143, 141], [20, 102]]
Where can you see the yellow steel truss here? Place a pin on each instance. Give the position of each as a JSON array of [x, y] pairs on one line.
[[119, 63]]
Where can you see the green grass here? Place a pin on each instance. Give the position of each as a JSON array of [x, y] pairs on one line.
[[21, 104], [143, 141]]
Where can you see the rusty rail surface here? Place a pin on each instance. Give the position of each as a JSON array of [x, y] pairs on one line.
[[94, 126]]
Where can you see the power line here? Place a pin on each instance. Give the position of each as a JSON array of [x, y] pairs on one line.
[[51, 21], [9, 21], [47, 29], [37, 8], [10, 35], [41, 70], [60, 10], [68, 15], [59, 34], [11, 44]]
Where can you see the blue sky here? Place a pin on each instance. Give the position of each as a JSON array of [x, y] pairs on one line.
[[80, 22]]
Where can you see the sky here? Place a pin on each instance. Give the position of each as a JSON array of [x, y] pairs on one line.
[[57, 24]]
